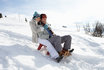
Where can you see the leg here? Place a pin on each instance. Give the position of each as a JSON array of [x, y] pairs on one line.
[[49, 47], [56, 42], [67, 42]]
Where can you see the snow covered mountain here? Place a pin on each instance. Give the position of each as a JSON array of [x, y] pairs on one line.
[[17, 52]]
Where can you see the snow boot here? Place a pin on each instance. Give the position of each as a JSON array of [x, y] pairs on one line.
[[58, 59], [71, 50], [66, 52]]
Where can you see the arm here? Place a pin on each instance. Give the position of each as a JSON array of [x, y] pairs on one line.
[[50, 28], [34, 27]]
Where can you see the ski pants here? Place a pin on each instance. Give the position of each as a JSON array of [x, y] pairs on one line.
[[56, 41]]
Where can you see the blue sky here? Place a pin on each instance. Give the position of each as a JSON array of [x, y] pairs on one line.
[[26, 6], [17, 6], [22, 6], [75, 10]]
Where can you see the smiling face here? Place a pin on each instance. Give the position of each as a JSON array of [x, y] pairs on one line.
[[37, 19], [44, 20]]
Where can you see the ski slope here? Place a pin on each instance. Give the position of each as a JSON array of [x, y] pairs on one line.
[[17, 52]]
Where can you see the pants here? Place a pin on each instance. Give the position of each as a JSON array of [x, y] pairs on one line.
[[56, 41], [53, 53]]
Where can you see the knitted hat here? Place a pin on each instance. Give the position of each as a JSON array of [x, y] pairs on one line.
[[36, 15]]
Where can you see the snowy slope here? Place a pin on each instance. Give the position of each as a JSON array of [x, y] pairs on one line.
[[17, 52]]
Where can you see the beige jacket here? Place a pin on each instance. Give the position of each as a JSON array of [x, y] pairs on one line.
[[38, 31]]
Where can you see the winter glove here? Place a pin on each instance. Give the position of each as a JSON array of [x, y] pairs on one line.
[[46, 26]]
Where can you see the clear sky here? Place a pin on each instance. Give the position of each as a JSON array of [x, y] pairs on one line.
[[75, 10]]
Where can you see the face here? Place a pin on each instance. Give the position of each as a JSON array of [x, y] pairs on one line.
[[37, 19], [44, 20]]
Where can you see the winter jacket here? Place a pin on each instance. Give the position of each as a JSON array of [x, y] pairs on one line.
[[38, 31]]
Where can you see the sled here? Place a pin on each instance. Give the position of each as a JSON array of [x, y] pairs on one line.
[[40, 46]]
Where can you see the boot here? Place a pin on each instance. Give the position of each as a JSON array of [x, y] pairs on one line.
[[64, 53], [58, 59], [71, 50]]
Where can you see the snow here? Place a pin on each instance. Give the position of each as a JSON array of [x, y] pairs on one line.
[[17, 52]]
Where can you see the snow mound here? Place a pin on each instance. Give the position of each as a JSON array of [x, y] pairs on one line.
[[17, 52]]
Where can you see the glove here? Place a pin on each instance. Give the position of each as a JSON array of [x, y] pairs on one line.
[[46, 26]]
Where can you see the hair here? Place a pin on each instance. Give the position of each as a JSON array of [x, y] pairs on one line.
[[43, 16]]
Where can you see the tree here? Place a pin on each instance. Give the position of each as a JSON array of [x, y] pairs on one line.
[[87, 28], [5, 16], [98, 30], [1, 15], [25, 19], [78, 27]]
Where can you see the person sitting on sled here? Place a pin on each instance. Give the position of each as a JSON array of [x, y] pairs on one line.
[[40, 35], [56, 40]]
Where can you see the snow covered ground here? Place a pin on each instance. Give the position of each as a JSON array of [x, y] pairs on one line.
[[17, 52]]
